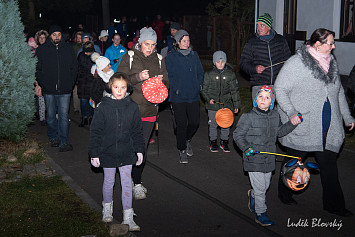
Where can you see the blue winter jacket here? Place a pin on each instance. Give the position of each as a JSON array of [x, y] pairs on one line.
[[185, 76], [115, 54]]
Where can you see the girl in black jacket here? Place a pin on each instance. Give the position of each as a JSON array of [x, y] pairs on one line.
[[116, 140]]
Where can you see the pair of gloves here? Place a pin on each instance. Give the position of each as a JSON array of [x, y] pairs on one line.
[[96, 161]]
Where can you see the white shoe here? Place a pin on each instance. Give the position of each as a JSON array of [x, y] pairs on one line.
[[128, 220], [107, 212], [139, 192]]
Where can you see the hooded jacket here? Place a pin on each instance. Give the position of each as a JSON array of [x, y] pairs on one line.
[[302, 86], [56, 67], [140, 63], [266, 53], [116, 133], [221, 86]]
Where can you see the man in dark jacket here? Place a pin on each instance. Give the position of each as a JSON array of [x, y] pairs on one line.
[[56, 74], [264, 54]]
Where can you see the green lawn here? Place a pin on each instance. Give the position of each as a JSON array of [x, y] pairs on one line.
[[42, 206]]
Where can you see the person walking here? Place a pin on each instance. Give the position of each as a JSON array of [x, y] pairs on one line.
[[56, 74], [116, 141], [309, 83], [220, 90], [115, 52], [258, 130], [186, 80], [263, 55], [140, 64]]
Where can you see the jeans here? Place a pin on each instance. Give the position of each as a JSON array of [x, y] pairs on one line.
[[86, 109], [57, 128]]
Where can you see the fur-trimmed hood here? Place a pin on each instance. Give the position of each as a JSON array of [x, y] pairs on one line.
[[316, 69]]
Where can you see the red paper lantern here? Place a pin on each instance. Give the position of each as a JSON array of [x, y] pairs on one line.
[[154, 90]]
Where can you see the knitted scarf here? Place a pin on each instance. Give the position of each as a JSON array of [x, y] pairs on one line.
[[322, 58]]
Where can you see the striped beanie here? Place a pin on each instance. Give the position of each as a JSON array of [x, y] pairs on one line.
[[266, 19]]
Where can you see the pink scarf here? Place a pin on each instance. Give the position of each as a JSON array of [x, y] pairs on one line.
[[322, 58]]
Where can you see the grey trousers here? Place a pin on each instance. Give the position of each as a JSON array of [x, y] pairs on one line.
[[213, 126], [260, 183]]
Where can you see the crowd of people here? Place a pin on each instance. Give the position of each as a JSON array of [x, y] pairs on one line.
[[105, 77]]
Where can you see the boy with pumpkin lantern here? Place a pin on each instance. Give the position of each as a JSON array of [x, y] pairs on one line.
[[220, 90], [257, 130]]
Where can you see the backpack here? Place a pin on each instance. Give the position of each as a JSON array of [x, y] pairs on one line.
[[131, 54]]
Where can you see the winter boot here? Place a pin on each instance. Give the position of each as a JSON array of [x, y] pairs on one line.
[[224, 146], [139, 192], [213, 146], [107, 212], [128, 220]]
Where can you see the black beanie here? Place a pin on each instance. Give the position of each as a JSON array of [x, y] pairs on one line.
[[54, 28]]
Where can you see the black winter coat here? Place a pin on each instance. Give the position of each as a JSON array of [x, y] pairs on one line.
[[85, 78], [116, 133], [260, 130], [259, 52], [56, 67]]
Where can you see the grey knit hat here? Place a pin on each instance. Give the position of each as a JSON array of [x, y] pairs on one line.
[[219, 55], [180, 34], [147, 34]]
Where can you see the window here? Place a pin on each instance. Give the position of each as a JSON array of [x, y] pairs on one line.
[[347, 28]]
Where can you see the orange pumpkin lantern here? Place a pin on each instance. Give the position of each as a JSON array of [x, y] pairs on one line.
[[295, 175], [224, 117]]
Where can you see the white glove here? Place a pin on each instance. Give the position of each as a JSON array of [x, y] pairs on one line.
[[140, 159], [95, 162]]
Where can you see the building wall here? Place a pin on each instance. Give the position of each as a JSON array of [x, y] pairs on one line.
[[312, 15]]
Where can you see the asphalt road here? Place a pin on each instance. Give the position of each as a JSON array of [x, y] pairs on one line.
[[207, 196]]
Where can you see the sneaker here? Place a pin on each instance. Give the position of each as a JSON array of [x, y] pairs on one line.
[[139, 192], [263, 220], [183, 157], [251, 202], [224, 146], [213, 146], [189, 151], [65, 147], [54, 142]]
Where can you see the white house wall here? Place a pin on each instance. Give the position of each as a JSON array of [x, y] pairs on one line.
[[313, 14]]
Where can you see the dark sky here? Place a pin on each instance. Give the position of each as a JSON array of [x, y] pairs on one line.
[[163, 7]]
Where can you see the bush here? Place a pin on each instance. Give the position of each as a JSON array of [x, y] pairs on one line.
[[17, 74]]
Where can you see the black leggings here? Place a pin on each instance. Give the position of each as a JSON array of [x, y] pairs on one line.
[[138, 170], [333, 197], [187, 118]]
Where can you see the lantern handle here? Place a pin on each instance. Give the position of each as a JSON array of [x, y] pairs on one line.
[[278, 154]]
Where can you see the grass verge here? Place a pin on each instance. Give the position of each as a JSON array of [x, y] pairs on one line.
[[41, 206]]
